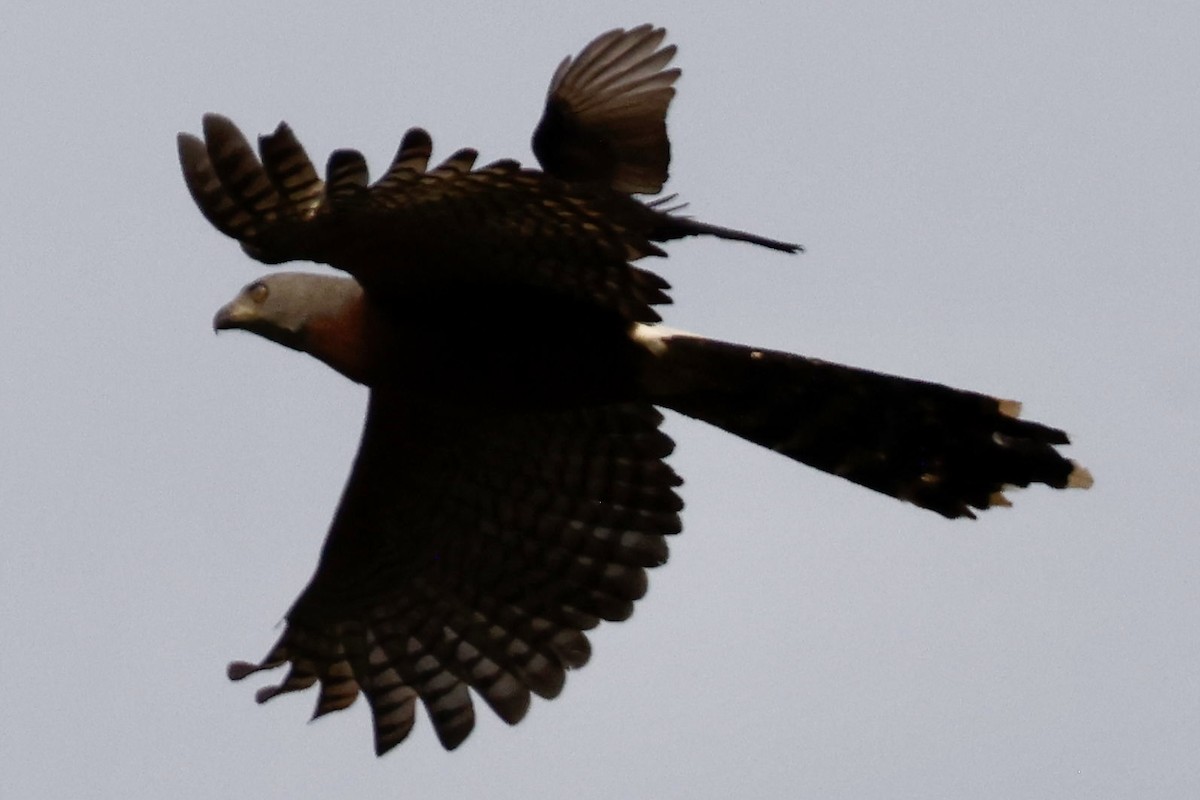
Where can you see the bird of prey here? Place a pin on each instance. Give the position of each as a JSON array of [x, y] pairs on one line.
[[510, 489]]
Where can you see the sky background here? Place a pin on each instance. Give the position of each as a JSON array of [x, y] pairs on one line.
[[1003, 198]]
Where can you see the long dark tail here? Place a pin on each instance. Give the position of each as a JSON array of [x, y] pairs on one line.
[[940, 448]]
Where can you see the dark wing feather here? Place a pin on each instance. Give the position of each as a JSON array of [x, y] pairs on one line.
[[416, 228], [606, 113], [471, 552]]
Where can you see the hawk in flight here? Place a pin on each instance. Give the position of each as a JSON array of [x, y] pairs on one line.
[[510, 489]]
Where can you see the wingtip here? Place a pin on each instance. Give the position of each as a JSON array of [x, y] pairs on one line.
[[383, 747], [416, 138], [191, 150], [239, 670], [266, 693], [213, 122]]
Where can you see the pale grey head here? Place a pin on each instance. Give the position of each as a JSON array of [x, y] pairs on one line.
[[280, 305]]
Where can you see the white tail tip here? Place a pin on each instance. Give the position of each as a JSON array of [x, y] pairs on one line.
[[1079, 478]]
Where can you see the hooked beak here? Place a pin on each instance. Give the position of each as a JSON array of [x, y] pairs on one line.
[[234, 314]]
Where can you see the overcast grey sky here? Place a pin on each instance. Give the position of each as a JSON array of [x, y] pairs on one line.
[[1004, 198]]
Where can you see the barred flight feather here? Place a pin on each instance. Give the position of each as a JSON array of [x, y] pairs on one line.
[[605, 116], [450, 226], [530, 529]]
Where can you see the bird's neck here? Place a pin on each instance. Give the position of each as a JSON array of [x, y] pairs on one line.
[[352, 339]]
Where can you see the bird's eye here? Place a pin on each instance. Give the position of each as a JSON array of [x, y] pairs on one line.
[[258, 292]]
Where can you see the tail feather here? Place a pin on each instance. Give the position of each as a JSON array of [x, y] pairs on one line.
[[677, 227], [943, 449]]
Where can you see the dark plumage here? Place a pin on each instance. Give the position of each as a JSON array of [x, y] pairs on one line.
[[510, 490]]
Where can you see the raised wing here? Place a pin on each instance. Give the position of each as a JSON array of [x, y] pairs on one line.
[[417, 227], [471, 551], [606, 113]]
